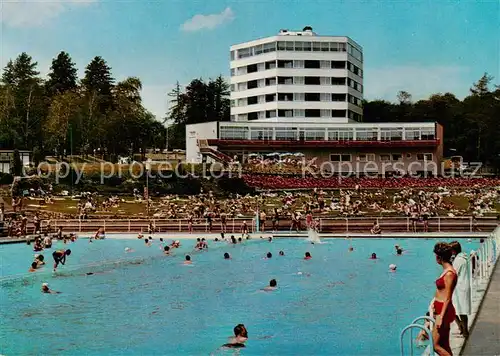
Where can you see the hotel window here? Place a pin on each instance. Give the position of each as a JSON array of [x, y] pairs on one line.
[[395, 134], [269, 47], [366, 135], [298, 97], [281, 46], [253, 115], [286, 133], [232, 87], [325, 64], [233, 133], [314, 134], [285, 64], [285, 96], [289, 46], [271, 65], [270, 81], [232, 72], [298, 80], [312, 81], [366, 157], [340, 134], [261, 133], [340, 158], [299, 113], [252, 84], [427, 134], [299, 46], [338, 113], [338, 97], [325, 47], [338, 64], [270, 98], [325, 97], [242, 86], [242, 102], [258, 49], [285, 113], [397, 157], [312, 113], [334, 47], [316, 46], [307, 47], [338, 81], [385, 157], [270, 113], [312, 64], [324, 80], [312, 97], [232, 55], [244, 53], [298, 64], [285, 80], [342, 47], [412, 134], [424, 156], [326, 113]]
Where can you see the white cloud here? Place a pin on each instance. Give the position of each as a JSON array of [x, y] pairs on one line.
[[420, 81], [210, 21], [33, 13]]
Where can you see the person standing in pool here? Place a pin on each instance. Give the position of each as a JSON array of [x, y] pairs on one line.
[[188, 260], [442, 303], [240, 337], [272, 286], [47, 290], [60, 257]]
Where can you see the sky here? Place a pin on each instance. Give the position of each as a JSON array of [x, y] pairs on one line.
[[423, 47]]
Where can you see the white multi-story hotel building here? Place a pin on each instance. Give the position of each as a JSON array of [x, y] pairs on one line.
[[298, 92], [297, 76]]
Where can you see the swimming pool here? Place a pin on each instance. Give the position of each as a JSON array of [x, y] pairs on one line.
[[144, 303]]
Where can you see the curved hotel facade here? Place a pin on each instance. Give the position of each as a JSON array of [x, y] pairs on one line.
[[301, 92]]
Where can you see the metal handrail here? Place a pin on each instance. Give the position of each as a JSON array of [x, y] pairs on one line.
[[409, 327]]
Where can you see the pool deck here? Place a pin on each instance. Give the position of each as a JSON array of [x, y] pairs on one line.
[[485, 334]]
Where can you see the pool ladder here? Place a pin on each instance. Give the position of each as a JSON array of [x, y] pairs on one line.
[[421, 327]]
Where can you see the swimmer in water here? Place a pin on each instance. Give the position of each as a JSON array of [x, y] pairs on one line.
[[47, 290], [399, 252], [307, 256], [128, 249], [240, 337], [39, 259], [374, 256], [350, 249], [268, 255], [188, 260], [272, 286], [270, 239], [227, 256], [147, 242], [392, 267], [166, 250], [140, 236], [282, 253], [60, 257], [34, 267]]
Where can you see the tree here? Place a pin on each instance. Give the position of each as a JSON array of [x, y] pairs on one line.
[[481, 87], [62, 75], [404, 97], [98, 77], [16, 165]]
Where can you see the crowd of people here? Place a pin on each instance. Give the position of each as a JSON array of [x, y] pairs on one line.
[[261, 181]]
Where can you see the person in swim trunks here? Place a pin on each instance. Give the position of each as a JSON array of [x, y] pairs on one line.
[[34, 267], [60, 257], [443, 308], [240, 337]]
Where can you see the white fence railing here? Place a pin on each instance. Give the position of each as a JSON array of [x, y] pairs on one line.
[[481, 264]]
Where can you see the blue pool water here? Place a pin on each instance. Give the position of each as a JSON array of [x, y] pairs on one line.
[[144, 303]]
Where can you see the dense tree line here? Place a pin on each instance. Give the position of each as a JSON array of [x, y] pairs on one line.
[[62, 114], [471, 126], [199, 102]]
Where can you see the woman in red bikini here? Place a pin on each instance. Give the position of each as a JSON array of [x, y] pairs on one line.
[[444, 311]]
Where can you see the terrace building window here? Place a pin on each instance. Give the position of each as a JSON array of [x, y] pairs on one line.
[[285, 113], [312, 96], [338, 113], [261, 133], [270, 113], [314, 135], [340, 158], [253, 115], [395, 134], [397, 157], [366, 157], [285, 80], [286, 133], [285, 96], [312, 113], [252, 100], [312, 81], [252, 84], [338, 97], [338, 64], [340, 135], [252, 68], [385, 157], [270, 65], [428, 134], [285, 64], [424, 156], [270, 98], [366, 135], [270, 81], [338, 81], [312, 64], [233, 133]]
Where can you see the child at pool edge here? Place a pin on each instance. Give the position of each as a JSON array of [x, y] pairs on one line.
[[60, 257]]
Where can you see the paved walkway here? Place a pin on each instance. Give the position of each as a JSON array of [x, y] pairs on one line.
[[485, 336]]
